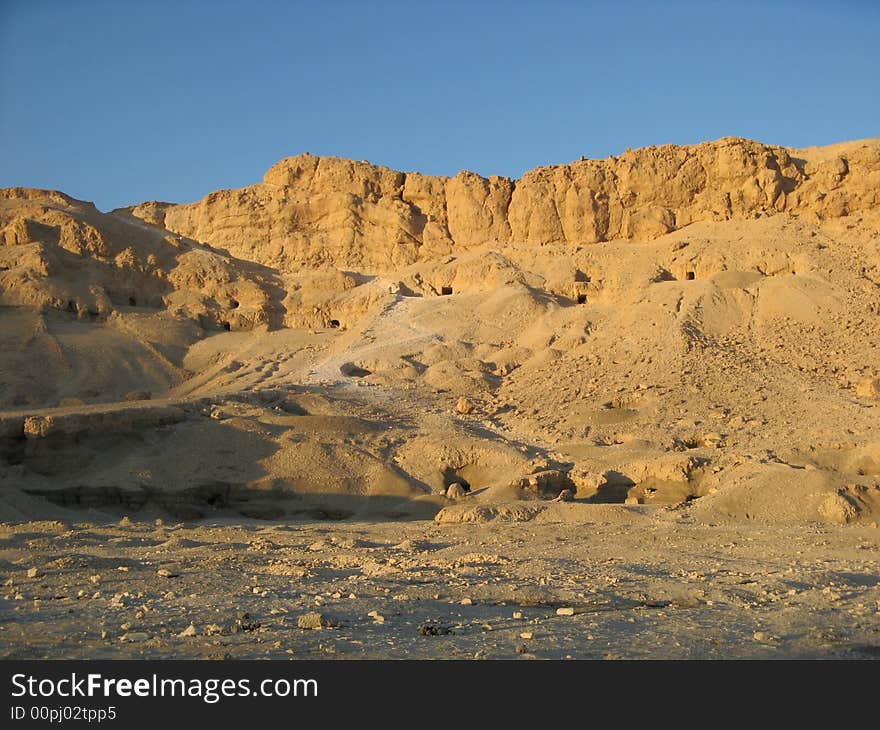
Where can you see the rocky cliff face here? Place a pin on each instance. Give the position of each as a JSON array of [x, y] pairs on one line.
[[63, 254], [310, 211], [340, 215]]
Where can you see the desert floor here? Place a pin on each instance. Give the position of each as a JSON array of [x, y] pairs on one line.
[[642, 582]]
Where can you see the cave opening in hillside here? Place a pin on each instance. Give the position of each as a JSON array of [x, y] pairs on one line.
[[227, 326], [690, 276], [132, 302], [445, 291], [233, 304], [353, 370], [582, 299], [71, 306], [334, 323]]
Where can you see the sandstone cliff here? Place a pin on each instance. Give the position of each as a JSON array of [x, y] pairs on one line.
[[310, 211], [63, 254]]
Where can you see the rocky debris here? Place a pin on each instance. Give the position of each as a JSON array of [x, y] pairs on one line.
[[455, 491], [763, 637], [135, 395], [510, 512], [165, 573], [464, 406], [565, 611], [868, 388], [315, 620], [414, 546], [566, 495], [112, 418], [434, 628], [33, 573], [190, 630], [244, 622], [134, 636], [549, 481]]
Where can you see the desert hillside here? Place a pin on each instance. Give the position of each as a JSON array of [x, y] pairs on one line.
[[694, 330]]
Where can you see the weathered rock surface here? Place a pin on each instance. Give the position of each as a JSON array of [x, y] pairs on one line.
[[317, 210], [63, 254]]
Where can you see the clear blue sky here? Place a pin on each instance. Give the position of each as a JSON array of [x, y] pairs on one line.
[[119, 101]]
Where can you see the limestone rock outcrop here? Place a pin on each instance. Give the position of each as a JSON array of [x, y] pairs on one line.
[[60, 253], [311, 211]]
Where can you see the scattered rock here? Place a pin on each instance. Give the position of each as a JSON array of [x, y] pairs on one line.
[[431, 628], [868, 388], [33, 573], [189, 631], [165, 573], [464, 406], [516, 512], [546, 482], [455, 491], [763, 638], [565, 611], [134, 636], [245, 622], [315, 620]]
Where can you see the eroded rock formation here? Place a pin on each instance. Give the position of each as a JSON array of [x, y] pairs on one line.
[[317, 210]]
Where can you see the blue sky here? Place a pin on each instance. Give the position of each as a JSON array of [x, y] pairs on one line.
[[121, 101]]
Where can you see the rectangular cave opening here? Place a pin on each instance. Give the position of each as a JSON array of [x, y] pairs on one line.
[[690, 276], [334, 323], [582, 299], [445, 291]]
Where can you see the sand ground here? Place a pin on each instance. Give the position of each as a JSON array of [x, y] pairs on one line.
[[642, 583]]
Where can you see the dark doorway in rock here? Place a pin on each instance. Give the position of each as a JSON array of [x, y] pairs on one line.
[[233, 304], [71, 306], [445, 291], [352, 370], [451, 476], [582, 298], [334, 323], [227, 326], [690, 276], [132, 302]]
